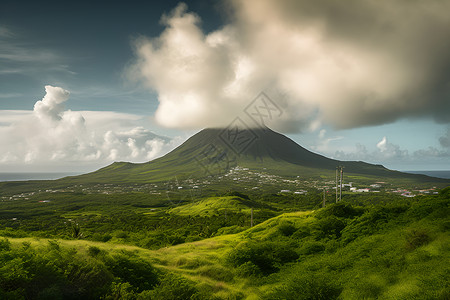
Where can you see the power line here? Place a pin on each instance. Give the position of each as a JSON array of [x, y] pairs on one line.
[[337, 184]]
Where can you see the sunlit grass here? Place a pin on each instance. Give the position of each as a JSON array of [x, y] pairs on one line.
[[385, 251]]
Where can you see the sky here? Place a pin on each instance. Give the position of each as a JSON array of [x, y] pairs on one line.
[[84, 84]]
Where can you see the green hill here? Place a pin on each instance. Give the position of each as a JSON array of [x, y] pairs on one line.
[[213, 152], [396, 250], [215, 205]]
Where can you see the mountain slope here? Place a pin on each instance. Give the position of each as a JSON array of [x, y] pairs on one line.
[[211, 153], [215, 151]]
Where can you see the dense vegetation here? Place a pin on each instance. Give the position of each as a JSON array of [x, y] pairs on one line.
[[54, 272], [132, 218], [133, 246]]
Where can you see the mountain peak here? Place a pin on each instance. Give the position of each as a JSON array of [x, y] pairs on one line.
[[214, 151], [257, 144]]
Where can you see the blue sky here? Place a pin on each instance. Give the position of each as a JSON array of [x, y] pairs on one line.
[[365, 81]]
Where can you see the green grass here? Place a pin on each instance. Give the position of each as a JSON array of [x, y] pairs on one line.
[[215, 205], [388, 250]]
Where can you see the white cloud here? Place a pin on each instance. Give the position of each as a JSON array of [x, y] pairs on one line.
[[343, 64], [51, 106], [385, 153], [323, 143], [382, 145], [432, 152], [50, 136], [391, 154], [388, 151]]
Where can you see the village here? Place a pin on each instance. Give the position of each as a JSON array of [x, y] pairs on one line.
[[243, 178]]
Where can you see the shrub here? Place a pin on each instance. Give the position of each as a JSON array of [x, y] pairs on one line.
[[94, 251], [122, 291], [331, 226], [26, 245], [445, 193], [121, 234], [101, 237], [55, 274], [287, 228], [86, 279], [53, 245], [267, 256], [13, 233], [76, 231], [306, 286], [416, 238], [248, 269], [312, 247], [138, 272], [372, 221], [341, 210], [302, 232], [5, 245], [172, 287], [51, 292]]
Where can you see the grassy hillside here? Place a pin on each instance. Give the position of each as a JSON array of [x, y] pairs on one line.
[[391, 250]]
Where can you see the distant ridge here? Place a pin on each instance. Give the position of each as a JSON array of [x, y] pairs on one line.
[[213, 151], [437, 174]]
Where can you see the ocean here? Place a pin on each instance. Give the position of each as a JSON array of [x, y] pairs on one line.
[[439, 174], [16, 176]]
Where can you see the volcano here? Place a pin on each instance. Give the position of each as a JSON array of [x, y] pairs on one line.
[[212, 152]]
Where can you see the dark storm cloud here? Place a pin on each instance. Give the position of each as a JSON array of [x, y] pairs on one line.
[[445, 139], [344, 63]]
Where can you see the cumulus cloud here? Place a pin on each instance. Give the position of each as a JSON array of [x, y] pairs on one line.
[[432, 152], [442, 152], [352, 64], [392, 154], [385, 152], [388, 150], [51, 106], [51, 135]]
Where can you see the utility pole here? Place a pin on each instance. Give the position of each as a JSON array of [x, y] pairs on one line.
[[340, 171], [341, 182], [337, 184]]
